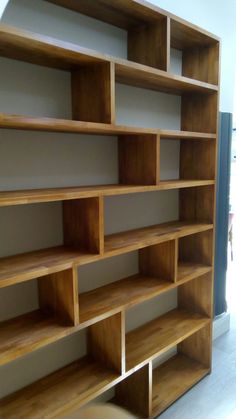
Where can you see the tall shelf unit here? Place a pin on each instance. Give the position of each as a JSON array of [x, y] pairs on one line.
[[176, 255]]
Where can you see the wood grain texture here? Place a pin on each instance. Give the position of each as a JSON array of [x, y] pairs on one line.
[[32, 196], [199, 346], [147, 236], [93, 93], [138, 159], [40, 49], [154, 338], [60, 392], [106, 342], [202, 63], [159, 261], [64, 125], [148, 44], [173, 378], [128, 13], [184, 36], [197, 204], [20, 268], [130, 291], [58, 295], [197, 248], [197, 295], [83, 224], [135, 392], [29, 332], [199, 113], [204, 167]]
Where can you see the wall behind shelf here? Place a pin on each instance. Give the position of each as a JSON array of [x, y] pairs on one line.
[[29, 159]]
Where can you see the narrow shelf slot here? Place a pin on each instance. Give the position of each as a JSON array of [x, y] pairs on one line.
[[174, 378], [161, 334], [66, 389]]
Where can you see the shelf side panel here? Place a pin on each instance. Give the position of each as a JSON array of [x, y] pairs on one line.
[[93, 93], [159, 261], [106, 342], [148, 44], [58, 293], [83, 224], [139, 159], [199, 346], [135, 391]]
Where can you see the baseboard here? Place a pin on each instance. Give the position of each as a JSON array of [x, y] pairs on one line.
[[221, 325]]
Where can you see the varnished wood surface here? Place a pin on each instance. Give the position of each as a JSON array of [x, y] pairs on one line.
[[43, 50], [60, 392], [174, 378], [129, 13], [159, 335], [19, 268], [66, 125], [190, 270], [24, 334], [147, 236], [32, 196], [130, 291]]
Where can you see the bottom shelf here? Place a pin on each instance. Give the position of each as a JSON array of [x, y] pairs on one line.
[[60, 392], [174, 378]]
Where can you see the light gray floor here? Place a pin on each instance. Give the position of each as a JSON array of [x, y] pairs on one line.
[[215, 396]]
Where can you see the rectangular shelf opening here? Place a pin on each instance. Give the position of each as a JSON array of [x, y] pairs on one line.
[[200, 52], [194, 254], [178, 159], [190, 364], [156, 337], [77, 383]]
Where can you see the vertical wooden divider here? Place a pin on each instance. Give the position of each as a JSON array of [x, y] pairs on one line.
[[202, 167], [58, 295], [139, 157], [148, 44], [160, 261], [194, 295], [83, 223], [135, 392], [199, 112], [197, 248], [106, 342], [202, 63], [93, 93], [199, 346], [197, 204]]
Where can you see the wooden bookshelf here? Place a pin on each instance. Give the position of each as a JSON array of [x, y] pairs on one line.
[[175, 255]]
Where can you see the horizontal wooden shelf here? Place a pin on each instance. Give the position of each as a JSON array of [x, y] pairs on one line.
[[65, 125], [174, 378], [61, 194], [147, 236], [60, 392], [31, 331], [26, 333], [190, 270], [161, 334], [130, 291], [39, 49], [26, 266]]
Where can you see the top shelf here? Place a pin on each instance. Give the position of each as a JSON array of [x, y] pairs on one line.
[[129, 13], [46, 51]]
